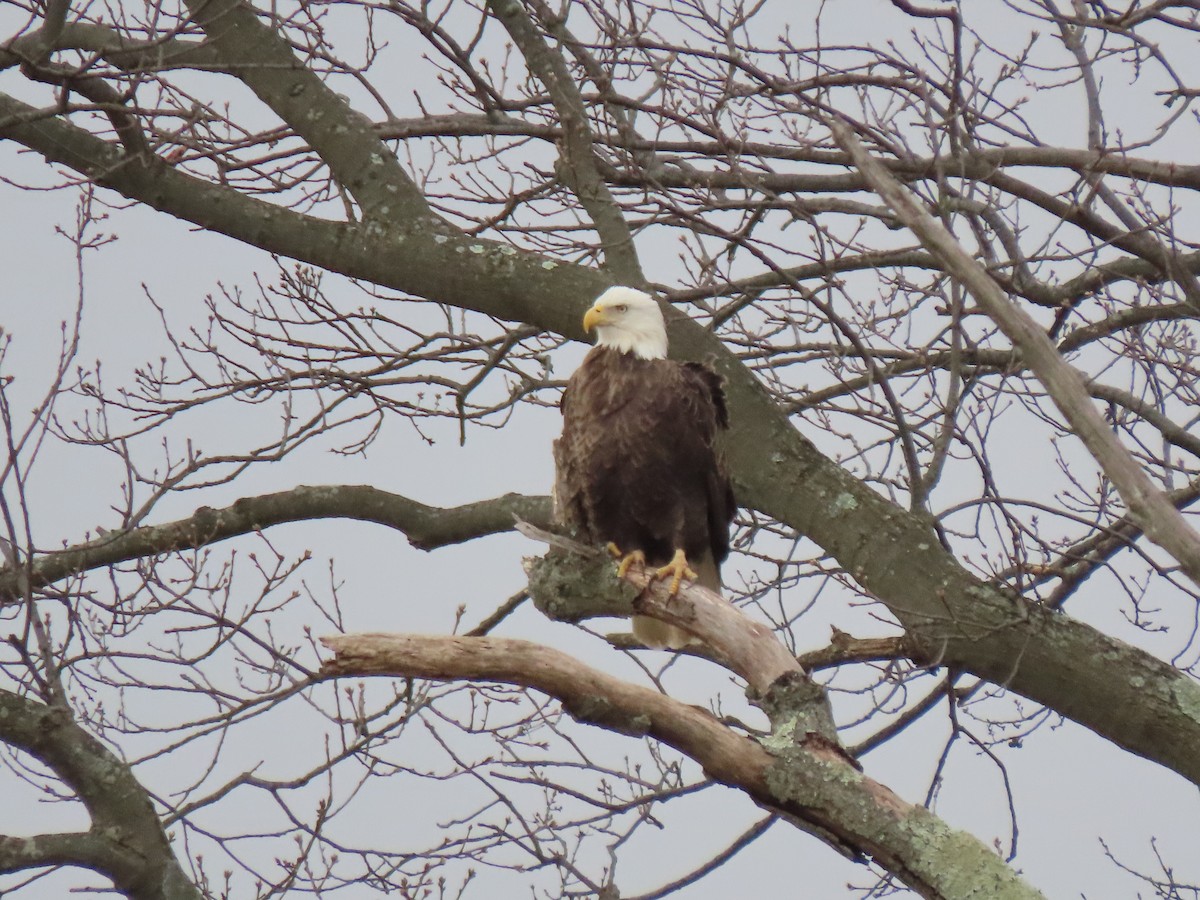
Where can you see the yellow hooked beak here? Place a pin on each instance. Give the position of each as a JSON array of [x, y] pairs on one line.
[[593, 317]]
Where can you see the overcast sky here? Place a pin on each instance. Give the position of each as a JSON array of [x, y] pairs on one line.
[[1072, 789]]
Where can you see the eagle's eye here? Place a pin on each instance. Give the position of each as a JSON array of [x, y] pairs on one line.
[[622, 308]]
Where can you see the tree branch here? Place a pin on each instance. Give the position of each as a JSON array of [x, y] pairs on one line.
[[568, 587], [427, 527], [577, 165], [448, 268], [1158, 518], [787, 773], [86, 849], [126, 842], [346, 141], [160, 55]]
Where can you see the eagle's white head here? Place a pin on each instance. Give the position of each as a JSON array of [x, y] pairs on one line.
[[629, 321]]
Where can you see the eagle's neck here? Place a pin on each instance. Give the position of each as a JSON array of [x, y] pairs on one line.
[[647, 343]]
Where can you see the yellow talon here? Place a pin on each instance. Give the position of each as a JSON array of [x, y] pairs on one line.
[[627, 562], [678, 569]]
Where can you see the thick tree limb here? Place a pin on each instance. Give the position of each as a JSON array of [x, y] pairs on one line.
[[406, 255], [126, 841], [85, 849], [161, 54], [426, 527], [786, 773], [570, 588], [1161, 522], [346, 141], [577, 162]]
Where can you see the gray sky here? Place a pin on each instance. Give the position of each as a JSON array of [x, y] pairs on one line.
[[1071, 788]]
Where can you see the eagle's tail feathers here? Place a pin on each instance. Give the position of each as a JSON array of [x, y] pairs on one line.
[[659, 635]]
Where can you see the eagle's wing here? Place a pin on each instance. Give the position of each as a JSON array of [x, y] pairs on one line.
[[567, 498], [722, 506]]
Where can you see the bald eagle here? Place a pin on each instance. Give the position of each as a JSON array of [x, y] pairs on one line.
[[638, 465]]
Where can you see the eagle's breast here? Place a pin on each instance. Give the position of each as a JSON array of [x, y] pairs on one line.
[[638, 463]]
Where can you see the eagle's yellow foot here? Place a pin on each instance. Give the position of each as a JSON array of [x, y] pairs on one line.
[[678, 569], [628, 560]]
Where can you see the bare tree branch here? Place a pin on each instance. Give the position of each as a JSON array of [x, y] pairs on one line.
[[126, 842], [347, 143], [577, 166], [1156, 516], [787, 773], [426, 527]]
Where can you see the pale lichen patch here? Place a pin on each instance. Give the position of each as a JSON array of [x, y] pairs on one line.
[[844, 503]]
